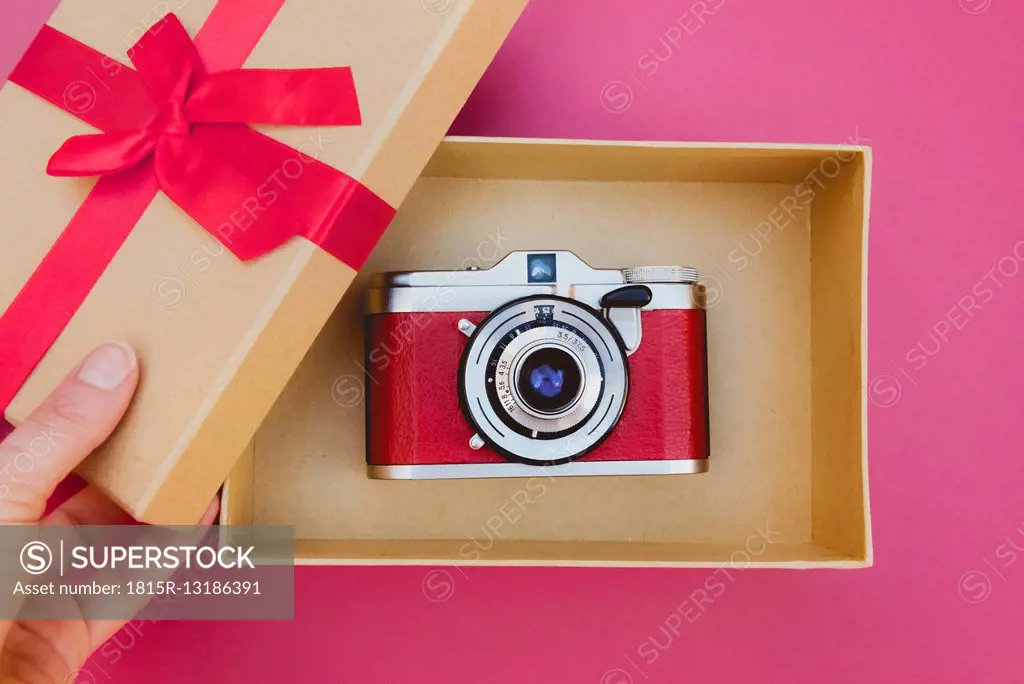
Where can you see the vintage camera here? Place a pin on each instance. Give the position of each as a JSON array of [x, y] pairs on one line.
[[540, 365]]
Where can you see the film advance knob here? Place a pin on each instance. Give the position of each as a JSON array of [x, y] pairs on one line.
[[660, 274]]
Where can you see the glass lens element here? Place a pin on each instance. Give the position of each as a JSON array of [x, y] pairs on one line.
[[549, 380]]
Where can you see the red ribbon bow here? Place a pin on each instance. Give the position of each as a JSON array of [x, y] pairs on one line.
[[184, 99], [172, 126]]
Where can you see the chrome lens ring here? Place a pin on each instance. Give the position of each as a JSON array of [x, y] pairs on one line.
[[494, 356], [522, 364], [510, 363]]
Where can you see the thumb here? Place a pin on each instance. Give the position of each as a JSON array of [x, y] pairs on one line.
[[80, 413]]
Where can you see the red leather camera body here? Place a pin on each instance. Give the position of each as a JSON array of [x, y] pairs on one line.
[[423, 422]]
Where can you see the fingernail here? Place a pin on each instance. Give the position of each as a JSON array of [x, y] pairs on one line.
[[108, 366]]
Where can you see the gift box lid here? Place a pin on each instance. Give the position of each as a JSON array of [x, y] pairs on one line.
[[219, 304]]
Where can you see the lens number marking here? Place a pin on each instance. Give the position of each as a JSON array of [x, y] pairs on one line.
[[572, 339], [503, 387]]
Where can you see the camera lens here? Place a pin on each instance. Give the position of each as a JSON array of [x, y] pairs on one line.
[[549, 380], [543, 379]]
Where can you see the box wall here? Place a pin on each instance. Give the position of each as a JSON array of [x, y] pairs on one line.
[[838, 346]]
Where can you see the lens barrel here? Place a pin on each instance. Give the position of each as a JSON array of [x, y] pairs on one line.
[[543, 379], [550, 379]]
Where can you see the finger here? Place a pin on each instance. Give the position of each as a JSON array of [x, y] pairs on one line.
[[42, 651], [210, 516], [89, 507], [101, 630], [80, 413]]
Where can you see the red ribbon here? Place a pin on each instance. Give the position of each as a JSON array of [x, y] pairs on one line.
[[173, 126]]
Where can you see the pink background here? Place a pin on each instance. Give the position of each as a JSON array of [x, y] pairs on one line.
[[935, 86]]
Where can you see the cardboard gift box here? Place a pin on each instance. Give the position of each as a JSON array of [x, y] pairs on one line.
[[234, 209], [779, 234]]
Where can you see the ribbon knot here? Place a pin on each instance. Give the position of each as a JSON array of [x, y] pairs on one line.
[[171, 120], [189, 132]]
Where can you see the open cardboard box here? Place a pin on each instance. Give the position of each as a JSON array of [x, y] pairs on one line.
[[219, 337], [779, 233]]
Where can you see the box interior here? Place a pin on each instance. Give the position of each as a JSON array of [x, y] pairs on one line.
[[778, 234]]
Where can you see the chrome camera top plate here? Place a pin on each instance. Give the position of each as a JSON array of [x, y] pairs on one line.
[[521, 274]]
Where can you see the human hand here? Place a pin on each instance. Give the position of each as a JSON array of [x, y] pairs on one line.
[[75, 419]]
